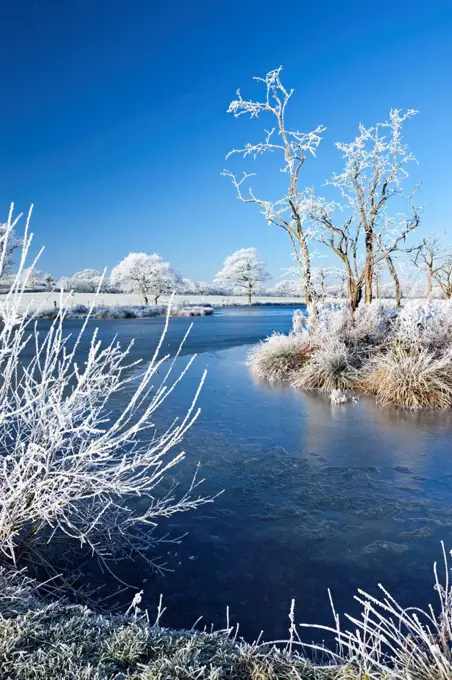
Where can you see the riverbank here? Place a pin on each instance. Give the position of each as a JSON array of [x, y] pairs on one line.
[[400, 356], [38, 300], [42, 641], [62, 641], [123, 312]]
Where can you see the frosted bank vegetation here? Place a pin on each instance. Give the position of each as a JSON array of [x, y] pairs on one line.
[[385, 642], [364, 219], [403, 358], [70, 470]]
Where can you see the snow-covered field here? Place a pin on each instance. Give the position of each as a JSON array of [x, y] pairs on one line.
[[38, 300]]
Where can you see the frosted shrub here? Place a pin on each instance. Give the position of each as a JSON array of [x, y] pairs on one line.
[[298, 323], [328, 369], [333, 323], [338, 397], [410, 377], [372, 323], [277, 357], [125, 311], [69, 470], [426, 324]]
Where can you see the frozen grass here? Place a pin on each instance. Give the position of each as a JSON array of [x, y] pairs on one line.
[[58, 642], [403, 358], [384, 642], [409, 376], [42, 641], [391, 642], [328, 369], [80, 311], [278, 357]]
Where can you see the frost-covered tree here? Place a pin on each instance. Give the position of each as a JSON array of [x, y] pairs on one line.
[[321, 275], [32, 278], [286, 288], [85, 281], [148, 275], [293, 147], [244, 270], [443, 276], [358, 227], [430, 256], [9, 243], [49, 281]]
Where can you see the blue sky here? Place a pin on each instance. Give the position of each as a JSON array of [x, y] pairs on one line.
[[114, 123]]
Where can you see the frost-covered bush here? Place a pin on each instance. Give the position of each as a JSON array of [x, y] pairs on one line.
[[71, 471], [401, 357], [277, 357], [425, 324], [411, 377], [370, 323], [333, 323], [328, 369], [125, 311]]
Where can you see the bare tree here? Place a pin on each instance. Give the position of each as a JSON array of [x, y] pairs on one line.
[[320, 277], [377, 279], [389, 242], [346, 241], [358, 228], [294, 147], [429, 255], [375, 167], [443, 276], [395, 277]]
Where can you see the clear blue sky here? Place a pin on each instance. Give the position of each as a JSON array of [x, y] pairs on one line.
[[113, 115]]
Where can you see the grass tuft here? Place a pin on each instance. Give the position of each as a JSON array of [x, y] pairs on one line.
[[410, 377], [328, 369], [278, 357]]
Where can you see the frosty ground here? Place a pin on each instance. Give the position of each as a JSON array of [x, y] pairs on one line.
[[35, 300]]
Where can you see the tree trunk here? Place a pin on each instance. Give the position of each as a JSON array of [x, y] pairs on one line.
[[355, 292], [429, 282], [395, 278], [377, 287], [156, 299], [354, 287], [308, 288], [146, 301], [368, 272], [250, 292]]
